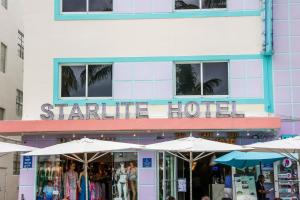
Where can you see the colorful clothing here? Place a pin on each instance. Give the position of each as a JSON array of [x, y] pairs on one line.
[[48, 191], [92, 191], [71, 185], [83, 189]]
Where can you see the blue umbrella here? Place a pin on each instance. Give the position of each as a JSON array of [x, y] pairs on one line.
[[248, 159]]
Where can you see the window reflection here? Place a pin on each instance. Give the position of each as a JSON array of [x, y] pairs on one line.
[[100, 5], [206, 4], [100, 81], [73, 81], [74, 5], [188, 79], [215, 78], [187, 4]]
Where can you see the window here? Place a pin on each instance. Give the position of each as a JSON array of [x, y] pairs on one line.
[[87, 5], [19, 103], [75, 82], [16, 164], [3, 52], [2, 112], [4, 3], [199, 4], [209, 78], [21, 44], [206, 4], [112, 170]]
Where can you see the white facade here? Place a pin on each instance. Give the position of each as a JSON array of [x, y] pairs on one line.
[[48, 39], [10, 81]]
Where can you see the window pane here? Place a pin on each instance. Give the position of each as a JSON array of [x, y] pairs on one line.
[[188, 79], [100, 81], [3, 57], [74, 5], [100, 5], [21, 44], [187, 4], [215, 78], [4, 3], [213, 4], [2, 111], [73, 81]]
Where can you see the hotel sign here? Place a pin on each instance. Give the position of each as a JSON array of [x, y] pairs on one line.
[[223, 109]]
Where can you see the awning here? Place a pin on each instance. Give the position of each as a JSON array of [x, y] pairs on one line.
[[119, 125]]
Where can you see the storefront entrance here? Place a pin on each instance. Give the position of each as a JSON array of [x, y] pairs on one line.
[[208, 178], [111, 177]]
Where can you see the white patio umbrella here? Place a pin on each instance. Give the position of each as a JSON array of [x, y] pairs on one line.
[[189, 145], [289, 147], [10, 148], [85, 146]]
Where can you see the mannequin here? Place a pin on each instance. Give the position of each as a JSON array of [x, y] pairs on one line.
[[122, 181], [71, 183], [133, 179], [41, 177], [57, 171]]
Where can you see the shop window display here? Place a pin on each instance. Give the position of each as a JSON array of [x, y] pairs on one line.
[[112, 177]]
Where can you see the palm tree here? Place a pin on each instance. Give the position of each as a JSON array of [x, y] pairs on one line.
[[210, 85], [95, 73], [69, 81], [186, 83]]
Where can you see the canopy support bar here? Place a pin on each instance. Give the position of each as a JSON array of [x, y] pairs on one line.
[[199, 158], [196, 158], [179, 156], [76, 156], [96, 157], [72, 158]]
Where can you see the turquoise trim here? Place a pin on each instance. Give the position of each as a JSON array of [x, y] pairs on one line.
[[268, 27], [160, 58], [268, 84], [176, 14], [112, 102], [286, 136], [58, 61]]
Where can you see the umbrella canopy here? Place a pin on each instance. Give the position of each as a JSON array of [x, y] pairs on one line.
[[10, 148], [85, 145], [192, 144], [189, 145], [248, 159], [289, 145]]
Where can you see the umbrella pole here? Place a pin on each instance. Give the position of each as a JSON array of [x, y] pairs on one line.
[[191, 176], [86, 176]]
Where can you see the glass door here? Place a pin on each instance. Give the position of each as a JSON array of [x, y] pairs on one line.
[[167, 168]]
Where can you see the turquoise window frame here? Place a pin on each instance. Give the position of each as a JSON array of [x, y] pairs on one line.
[[59, 16], [267, 100]]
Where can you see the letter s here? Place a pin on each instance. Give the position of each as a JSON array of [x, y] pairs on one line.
[[46, 108]]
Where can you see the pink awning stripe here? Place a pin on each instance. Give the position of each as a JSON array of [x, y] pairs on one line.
[[39, 126]]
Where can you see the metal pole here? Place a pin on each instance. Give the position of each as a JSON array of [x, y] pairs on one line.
[[191, 176], [86, 176], [164, 176]]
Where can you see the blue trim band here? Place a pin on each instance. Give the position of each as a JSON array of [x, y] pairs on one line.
[[176, 14], [269, 27], [58, 61], [268, 84], [160, 58]]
